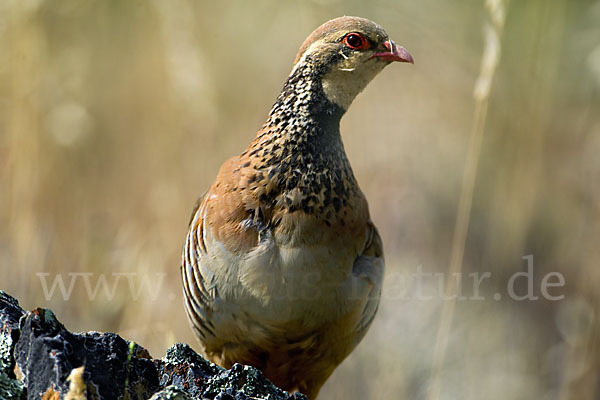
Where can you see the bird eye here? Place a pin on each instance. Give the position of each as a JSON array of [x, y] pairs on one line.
[[355, 41]]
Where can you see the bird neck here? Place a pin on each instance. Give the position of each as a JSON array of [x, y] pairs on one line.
[[298, 154], [302, 112]]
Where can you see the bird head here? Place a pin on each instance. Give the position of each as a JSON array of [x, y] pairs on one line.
[[348, 52]]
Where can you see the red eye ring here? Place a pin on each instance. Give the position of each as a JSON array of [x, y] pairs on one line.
[[355, 41]]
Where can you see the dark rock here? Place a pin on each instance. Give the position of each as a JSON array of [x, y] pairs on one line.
[[185, 369], [46, 353], [10, 311], [171, 393], [52, 363], [10, 314]]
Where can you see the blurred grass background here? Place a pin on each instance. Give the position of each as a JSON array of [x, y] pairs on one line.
[[115, 116]]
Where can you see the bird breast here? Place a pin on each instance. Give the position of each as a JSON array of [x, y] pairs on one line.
[[282, 279]]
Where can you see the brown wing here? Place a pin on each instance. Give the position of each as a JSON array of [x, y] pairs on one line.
[[197, 290], [220, 212]]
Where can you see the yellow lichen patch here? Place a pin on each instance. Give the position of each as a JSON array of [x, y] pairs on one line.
[[77, 386], [51, 394]]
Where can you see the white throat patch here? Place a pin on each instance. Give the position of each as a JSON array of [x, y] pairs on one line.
[[342, 85]]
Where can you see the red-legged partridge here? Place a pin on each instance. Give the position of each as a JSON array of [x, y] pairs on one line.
[[282, 267]]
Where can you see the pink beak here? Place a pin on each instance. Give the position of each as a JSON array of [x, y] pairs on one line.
[[394, 53]]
